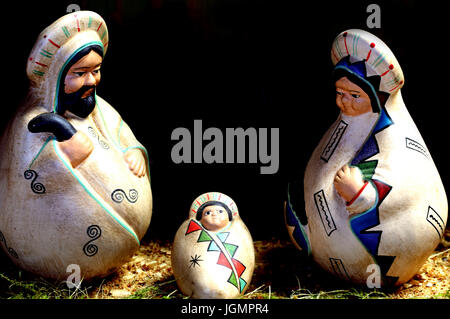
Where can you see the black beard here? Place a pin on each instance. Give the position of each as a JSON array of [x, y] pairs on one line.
[[81, 107]]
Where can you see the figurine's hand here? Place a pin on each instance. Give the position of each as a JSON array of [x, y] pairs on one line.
[[77, 148], [136, 162], [348, 182]]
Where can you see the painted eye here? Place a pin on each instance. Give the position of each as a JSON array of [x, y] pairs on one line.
[[356, 96], [207, 213], [220, 211], [79, 73]]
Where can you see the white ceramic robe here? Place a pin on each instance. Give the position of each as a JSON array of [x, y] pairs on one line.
[[51, 214], [400, 216], [213, 264]]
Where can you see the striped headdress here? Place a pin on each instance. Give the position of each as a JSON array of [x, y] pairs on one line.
[[56, 45], [213, 197], [366, 55]]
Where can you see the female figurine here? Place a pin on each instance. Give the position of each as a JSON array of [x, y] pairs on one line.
[[75, 182], [375, 204], [213, 254]]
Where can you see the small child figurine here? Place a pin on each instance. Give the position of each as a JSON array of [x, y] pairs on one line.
[[213, 254], [376, 207]]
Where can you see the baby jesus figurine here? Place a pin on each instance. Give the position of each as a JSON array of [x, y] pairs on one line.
[[213, 254]]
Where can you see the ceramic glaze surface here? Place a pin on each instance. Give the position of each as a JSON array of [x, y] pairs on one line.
[[398, 216], [58, 207], [215, 263]]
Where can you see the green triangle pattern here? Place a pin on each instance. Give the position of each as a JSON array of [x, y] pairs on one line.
[[368, 168], [232, 280], [230, 248], [204, 237]]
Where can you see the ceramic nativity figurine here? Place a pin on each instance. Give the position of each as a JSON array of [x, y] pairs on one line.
[[373, 196], [75, 182], [212, 254]]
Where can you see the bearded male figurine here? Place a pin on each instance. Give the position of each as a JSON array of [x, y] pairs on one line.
[[375, 204], [74, 182]]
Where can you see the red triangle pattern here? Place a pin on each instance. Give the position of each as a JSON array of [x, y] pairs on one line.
[[383, 189], [223, 261], [237, 264], [239, 267], [193, 226]]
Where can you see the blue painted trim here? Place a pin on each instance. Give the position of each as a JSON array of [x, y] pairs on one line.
[[299, 233]]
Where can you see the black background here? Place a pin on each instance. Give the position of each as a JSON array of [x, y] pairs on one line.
[[238, 64]]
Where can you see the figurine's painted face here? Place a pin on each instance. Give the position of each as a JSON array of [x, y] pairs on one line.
[[85, 72], [351, 99], [214, 217], [79, 85]]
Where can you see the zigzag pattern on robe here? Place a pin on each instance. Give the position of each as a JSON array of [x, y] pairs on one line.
[[235, 278], [362, 223]]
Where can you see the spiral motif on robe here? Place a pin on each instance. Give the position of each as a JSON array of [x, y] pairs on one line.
[[93, 232], [119, 195], [94, 134], [37, 188]]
